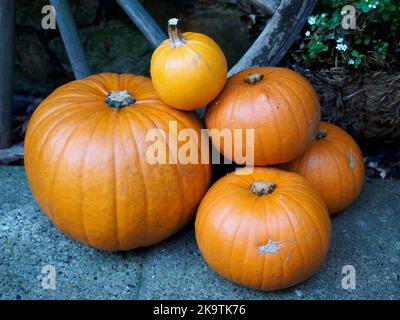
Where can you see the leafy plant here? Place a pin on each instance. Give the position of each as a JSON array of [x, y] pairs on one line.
[[374, 40]]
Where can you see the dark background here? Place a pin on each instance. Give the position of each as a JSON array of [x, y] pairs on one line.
[[112, 43]]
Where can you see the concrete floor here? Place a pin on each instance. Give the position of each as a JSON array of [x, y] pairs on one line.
[[367, 236]]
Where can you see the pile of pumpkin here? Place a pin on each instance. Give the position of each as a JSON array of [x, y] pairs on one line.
[[85, 157]]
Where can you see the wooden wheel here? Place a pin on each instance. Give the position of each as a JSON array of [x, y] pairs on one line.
[[286, 21], [287, 18]]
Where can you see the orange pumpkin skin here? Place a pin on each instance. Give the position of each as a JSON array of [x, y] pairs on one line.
[[88, 171], [263, 241], [334, 166], [190, 74], [279, 104]]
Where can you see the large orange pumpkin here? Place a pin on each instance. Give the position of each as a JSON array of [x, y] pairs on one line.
[[85, 157], [267, 230], [279, 104], [188, 70], [334, 165]]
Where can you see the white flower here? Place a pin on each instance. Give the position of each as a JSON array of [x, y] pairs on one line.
[[339, 40], [307, 33], [311, 20], [351, 61], [323, 15], [341, 47], [372, 6]]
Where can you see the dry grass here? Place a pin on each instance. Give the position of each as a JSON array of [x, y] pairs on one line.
[[367, 104]]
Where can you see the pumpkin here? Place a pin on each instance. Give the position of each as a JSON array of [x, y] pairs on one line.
[[86, 162], [334, 166], [188, 70], [267, 230], [278, 104]]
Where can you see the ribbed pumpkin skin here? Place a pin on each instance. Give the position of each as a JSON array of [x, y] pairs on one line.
[[283, 109], [234, 227], [334, 165], [87, 168], [190, 76]]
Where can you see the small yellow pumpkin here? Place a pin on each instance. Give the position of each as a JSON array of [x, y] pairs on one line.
[[188, 70]]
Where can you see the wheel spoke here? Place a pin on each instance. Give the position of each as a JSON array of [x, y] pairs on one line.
[[143, 21], [7, 35], [70, 36]]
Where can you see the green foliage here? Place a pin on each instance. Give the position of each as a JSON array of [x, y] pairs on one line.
[[376, 34]]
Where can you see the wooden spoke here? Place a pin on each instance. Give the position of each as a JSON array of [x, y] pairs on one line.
[[70, 36], [143, 21], [267, 6], [7, 35], [12, 154]]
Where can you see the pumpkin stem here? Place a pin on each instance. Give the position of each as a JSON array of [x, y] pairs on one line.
[[254, 78], [321, 134], [260, 188], [119, 99], [176, 39]]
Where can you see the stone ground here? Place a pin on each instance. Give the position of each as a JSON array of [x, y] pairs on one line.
[[367, 236]]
